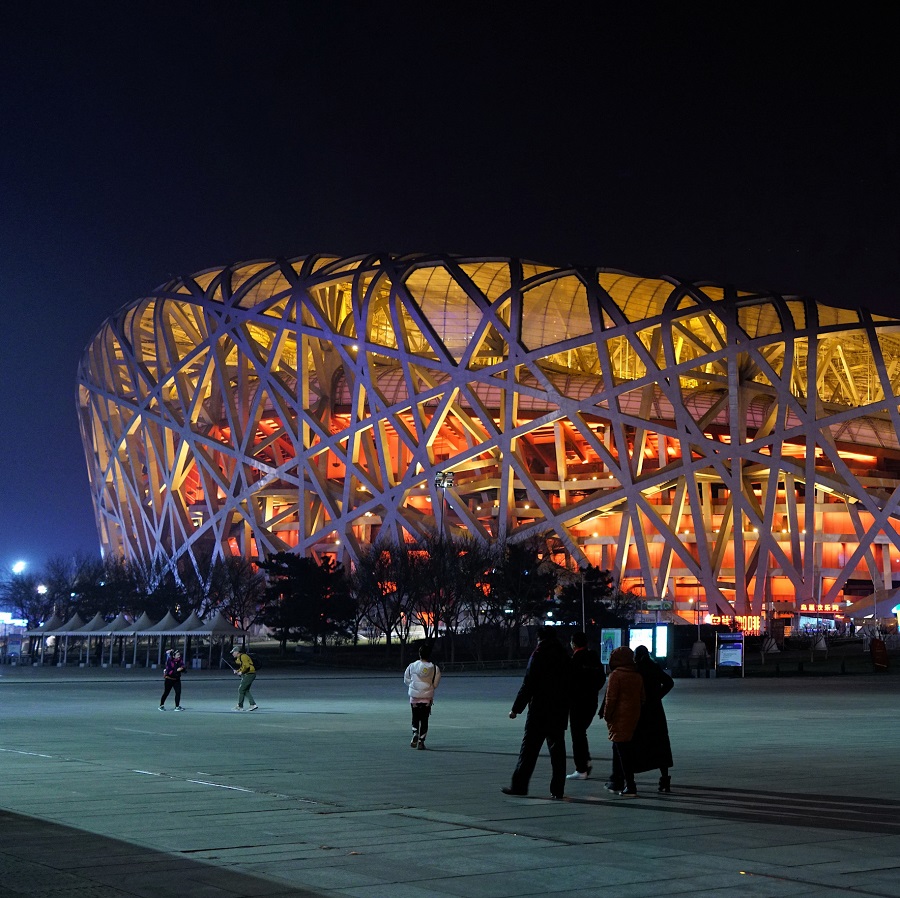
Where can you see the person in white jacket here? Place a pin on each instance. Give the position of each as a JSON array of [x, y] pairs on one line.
[[422, 677]]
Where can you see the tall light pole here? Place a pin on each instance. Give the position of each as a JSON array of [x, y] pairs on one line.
[[583, 618], [696, 604], [443, 480]]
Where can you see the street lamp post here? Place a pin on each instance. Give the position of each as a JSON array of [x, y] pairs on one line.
[[696, 605], [443, 480], [583, 617]]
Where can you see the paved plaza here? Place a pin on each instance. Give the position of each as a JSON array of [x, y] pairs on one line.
[[782, 786]]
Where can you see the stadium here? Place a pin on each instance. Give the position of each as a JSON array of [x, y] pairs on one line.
[[714, 448]]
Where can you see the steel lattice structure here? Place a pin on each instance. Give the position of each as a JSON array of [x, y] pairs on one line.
[[688, 437]]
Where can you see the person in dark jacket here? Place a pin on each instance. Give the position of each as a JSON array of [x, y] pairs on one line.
[[172, 680], [545, 692], [651, 749], [587, 680]]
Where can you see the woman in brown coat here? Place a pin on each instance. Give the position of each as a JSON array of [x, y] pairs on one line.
[[621, 711]]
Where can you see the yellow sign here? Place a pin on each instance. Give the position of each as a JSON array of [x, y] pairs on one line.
[[749, 623]]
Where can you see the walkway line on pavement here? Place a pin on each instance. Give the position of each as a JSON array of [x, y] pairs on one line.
[[179, 779], [34, 754], [142, 732], [219, 785]]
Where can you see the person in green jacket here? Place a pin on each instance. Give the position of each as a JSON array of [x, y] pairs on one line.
[[247, 672]]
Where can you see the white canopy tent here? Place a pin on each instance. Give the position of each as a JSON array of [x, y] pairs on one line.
[[92, 628], [42, 632], [168, 625], [73, 624], [121, 628], [218, 628], [142, 625]]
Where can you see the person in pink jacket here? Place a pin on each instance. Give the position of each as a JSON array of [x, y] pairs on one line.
[[621, 710], [422, 678]]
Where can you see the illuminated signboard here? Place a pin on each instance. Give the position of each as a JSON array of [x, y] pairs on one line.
[[7, 618], [655, 638], [820, 608], [730, 651], [749, 623], [610, 640]]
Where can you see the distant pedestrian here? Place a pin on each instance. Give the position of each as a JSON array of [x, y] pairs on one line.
[[545, 692], [621, 710], [422, 677], [651, 747], [172, 679], [246, 670], [699, 657], [587, 680]]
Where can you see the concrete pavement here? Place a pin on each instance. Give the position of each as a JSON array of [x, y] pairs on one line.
[[781, 787]]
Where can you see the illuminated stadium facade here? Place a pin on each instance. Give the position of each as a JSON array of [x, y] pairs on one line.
[[701, 442]]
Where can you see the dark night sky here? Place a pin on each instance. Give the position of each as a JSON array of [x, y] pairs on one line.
[[755, 145]]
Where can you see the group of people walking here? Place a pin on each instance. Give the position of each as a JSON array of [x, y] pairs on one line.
[[562, 691], [559, 691]]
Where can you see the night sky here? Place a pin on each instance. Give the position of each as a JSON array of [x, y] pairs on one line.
[[755, 145]]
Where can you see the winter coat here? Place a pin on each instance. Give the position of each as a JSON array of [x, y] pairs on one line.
[[174, 668], [624, 696], [244, 663], [422, 677], [587, 679], [651, 749], [545, 686]]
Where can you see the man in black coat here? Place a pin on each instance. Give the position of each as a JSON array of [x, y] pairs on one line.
[[588, 678], [545, 692]]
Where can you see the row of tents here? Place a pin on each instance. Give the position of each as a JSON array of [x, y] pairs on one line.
[[114, 637]]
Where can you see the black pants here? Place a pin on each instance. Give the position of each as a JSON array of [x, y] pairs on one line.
[[420, 714], [171, 684], [623, 764], [579, 720], [537, 732]]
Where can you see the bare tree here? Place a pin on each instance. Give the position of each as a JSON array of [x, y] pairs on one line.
[[20, 594], [457, 575], [238, 589], [390, 582], [523, 581]]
